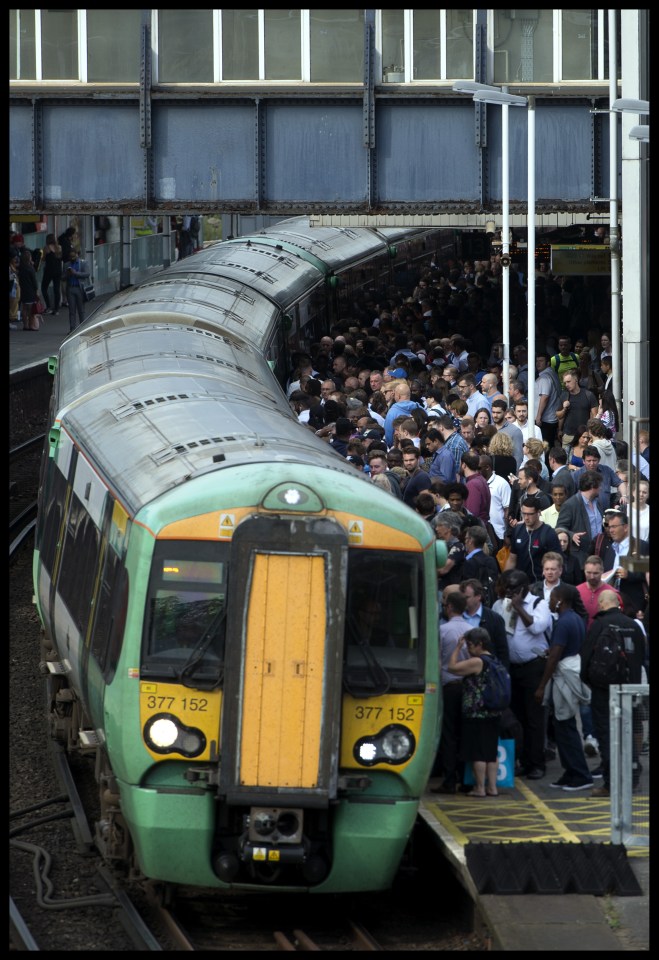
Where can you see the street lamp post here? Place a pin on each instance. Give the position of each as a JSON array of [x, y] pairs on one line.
[[504, 100], [472, 87]]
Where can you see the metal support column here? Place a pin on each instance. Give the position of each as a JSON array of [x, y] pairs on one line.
[[635, 222]]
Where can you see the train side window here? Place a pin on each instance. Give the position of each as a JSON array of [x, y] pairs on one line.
[[110, 615], [50, 522], [80, 560]]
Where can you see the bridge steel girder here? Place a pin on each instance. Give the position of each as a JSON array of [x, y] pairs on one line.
[[361, 152]]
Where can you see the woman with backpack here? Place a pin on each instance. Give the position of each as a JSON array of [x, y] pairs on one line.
[[479, 740]]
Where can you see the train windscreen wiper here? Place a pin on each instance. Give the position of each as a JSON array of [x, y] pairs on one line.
[[377, 673], [197, 654]]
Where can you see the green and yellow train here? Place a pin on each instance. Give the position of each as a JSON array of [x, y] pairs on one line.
[[201, 569]]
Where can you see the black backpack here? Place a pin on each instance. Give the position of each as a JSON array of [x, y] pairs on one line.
[[487, 574], [609, 661], [497, 686]]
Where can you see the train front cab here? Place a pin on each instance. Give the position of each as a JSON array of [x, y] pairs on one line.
[[326, 741]]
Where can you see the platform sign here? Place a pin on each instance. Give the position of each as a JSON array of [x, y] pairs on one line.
[[505, 765], [581, 259]]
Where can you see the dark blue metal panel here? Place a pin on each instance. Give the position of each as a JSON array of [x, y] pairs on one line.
[[91, 152], [295, 155], [563, 152], [315, 152], [426, 152], [204, 151], [20, 152], [564, 164]]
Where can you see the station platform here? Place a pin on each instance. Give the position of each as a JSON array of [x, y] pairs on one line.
[[533, 812]]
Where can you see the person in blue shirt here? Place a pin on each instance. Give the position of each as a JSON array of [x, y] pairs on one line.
[[75, 272], [562, 689], [402, 404], [442, 462], [611, 482]]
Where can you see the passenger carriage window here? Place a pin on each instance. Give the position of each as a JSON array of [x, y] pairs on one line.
[[186, 610], [50, 519], [79, 563], [110, 615], [384, 642]]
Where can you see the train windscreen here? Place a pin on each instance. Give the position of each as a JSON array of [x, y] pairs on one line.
[[384, 642], [186, 610]]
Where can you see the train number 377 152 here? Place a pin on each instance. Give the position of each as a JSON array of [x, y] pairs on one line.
[[385, 713], [185, 703]]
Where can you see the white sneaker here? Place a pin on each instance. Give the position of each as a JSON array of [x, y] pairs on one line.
[[591, 746]]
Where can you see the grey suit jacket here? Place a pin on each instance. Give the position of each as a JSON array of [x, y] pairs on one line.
[[573, 517], [564, 475]]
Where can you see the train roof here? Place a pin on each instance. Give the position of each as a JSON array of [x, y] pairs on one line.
[[150, 407], [169, 378]]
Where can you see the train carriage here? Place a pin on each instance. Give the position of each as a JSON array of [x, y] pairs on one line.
[[201, 566]]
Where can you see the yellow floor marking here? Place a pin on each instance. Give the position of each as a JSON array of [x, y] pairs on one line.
[[521, 818], [561, 828]]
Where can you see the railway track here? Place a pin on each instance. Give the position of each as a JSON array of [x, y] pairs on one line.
[[231, 923], [111, 893]]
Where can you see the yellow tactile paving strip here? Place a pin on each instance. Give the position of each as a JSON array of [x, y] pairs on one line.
[[520, 816]]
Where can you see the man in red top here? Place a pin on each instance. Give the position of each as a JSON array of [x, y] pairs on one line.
[[478, 492], [591, 589]]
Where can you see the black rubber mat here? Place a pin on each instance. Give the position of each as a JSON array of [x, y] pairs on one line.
[[587, 868]]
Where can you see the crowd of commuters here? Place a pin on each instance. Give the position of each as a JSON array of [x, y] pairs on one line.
[[536, 507]]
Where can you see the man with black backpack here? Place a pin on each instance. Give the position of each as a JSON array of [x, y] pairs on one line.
[[613, 652], [478, 564]]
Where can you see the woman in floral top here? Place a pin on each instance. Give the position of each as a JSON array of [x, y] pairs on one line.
[[480, 726]]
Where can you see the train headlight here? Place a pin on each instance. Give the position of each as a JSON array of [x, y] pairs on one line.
[[165, 733], [394, 744], [367, 751], [294, 497], [397, 744]]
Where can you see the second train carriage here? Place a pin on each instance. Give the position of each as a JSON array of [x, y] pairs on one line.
[[200, 569]]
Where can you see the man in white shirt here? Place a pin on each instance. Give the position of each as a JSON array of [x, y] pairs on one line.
[[552, 570], [528, 619], [522, 415], [499, 495]]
